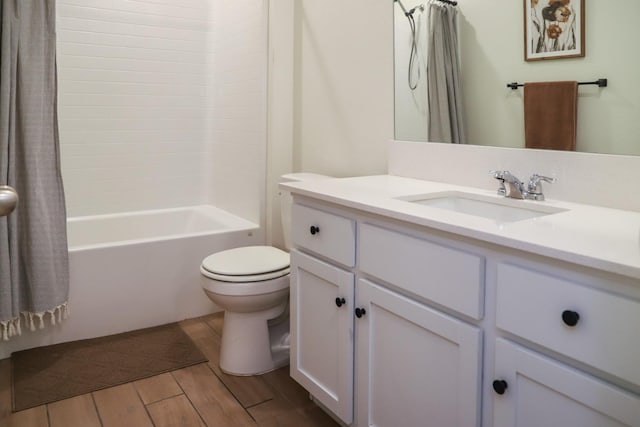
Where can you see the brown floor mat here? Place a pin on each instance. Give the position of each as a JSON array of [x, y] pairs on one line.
[[55, 372]]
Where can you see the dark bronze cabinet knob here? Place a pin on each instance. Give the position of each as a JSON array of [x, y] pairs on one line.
[[500, 386], [570, 318]]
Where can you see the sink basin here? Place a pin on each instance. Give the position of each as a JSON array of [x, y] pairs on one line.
[[498, 209]]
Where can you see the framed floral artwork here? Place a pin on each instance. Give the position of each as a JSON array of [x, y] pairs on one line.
[[553, 29]]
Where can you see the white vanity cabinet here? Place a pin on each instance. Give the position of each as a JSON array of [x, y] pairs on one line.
[[322, 302], [445, 319], [587, 327], [415, 365], [438, 272], [533, 390], [322, 332]]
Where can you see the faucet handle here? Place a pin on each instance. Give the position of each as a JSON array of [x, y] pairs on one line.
[[535, 179], [496, 174], [534, 186], [499, 175]]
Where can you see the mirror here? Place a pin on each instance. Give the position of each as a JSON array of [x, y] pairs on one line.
[[492, 55]]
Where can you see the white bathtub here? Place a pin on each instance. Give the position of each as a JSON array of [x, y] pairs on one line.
[[138, 269], [99, 231]]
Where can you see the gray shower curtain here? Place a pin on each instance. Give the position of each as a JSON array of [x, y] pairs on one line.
[[34, 268], [443, 76]]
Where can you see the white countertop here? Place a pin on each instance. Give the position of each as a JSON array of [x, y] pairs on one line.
[[597, 237]]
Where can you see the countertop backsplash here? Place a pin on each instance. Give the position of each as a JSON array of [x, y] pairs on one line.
[[596, 179]]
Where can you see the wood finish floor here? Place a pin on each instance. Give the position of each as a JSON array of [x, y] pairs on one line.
[[199, 395]]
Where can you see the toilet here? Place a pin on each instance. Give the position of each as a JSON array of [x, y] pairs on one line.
[[251, 284]]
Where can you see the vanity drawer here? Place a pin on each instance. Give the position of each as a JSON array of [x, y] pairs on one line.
[[540, 308], [442, 274], [326, 234]]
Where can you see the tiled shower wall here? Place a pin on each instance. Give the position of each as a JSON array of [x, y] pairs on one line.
[[162, 104]]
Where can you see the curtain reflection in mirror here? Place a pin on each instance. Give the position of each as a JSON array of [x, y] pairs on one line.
[[433, 70]]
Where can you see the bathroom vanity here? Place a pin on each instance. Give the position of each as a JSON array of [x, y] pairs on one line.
[[412, 312]]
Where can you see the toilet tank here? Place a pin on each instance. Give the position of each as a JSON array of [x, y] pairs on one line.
[[286, 201]]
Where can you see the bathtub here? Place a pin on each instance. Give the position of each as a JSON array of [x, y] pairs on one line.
[[138, 269]]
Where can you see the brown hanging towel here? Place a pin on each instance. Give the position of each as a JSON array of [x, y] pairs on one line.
[[550, 115]]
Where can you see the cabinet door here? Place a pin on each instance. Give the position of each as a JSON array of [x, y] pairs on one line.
[[322, 332], [543, 392], [416, 366]]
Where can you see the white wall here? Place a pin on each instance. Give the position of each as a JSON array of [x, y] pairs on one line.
[[280, 110], [343, 86], [237, 163], [162, 104], [330, 91]]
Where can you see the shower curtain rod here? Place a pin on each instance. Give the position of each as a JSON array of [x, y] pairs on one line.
[[410, 12], [452, 3]]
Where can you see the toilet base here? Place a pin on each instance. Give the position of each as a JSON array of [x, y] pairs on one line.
[[251, 345]]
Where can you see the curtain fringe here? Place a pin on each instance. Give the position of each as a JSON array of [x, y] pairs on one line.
[[12, 327]]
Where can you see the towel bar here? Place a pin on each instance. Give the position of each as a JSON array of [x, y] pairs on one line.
[[599, 82]]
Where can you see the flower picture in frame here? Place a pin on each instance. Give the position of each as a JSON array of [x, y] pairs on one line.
[[553, 29]]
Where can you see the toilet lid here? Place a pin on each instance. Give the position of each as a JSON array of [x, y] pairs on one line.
[[247, 261]]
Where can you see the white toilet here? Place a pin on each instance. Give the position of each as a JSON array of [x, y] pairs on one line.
[[252, 285]]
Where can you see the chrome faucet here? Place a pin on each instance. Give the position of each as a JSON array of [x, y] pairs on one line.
[[512, 187], [499, 175], [534, 187]]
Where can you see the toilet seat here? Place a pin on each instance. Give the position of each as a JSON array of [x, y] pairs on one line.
[[246, 264], [245, 279]]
